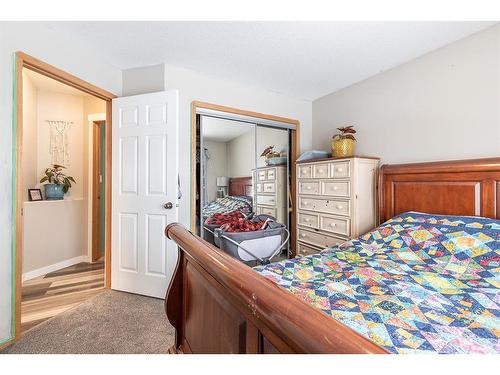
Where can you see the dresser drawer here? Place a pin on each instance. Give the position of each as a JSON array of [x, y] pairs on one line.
[[258, 188], [305, 171], [266, 211], [304, 250], [269, 187], [308, 220], [271, 174], [329, 206], [261, 175], [336, 188], [335, 225], [340, 170], [267, 200], [309, 187], [318, 239], [320, 170]]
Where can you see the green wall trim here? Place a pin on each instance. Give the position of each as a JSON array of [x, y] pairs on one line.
[[14, 199]]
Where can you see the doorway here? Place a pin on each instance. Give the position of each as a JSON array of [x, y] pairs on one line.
[[25, 63], [98, 189]]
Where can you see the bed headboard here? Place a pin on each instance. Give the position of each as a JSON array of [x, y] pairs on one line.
[[240, 186], [459, 187]]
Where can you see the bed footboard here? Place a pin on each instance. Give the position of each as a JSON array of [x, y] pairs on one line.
[[219, 305]]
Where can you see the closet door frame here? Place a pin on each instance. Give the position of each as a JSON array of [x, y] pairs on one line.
[[293, 126]]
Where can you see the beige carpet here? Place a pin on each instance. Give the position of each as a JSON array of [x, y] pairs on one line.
[[111, 322]]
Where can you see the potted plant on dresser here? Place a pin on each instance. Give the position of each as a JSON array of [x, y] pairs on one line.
[[58, 182], [343, 142]]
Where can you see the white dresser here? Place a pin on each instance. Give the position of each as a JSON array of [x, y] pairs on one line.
[[270, 192], [336, 201]]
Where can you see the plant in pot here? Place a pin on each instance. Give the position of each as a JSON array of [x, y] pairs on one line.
[[343, 143], [58, 183], [273, 157]]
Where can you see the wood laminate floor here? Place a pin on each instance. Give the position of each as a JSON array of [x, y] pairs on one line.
[[49, 295]]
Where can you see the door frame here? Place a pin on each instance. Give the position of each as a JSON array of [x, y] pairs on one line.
[[294, 154], [23, 60], [96, 184]]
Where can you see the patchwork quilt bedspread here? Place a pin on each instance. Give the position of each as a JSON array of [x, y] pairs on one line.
[[417, 284], [228, 204]]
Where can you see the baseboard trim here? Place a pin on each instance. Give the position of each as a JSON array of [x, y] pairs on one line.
[[54, 267]]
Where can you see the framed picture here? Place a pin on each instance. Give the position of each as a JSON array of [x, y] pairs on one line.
[[35, 195]]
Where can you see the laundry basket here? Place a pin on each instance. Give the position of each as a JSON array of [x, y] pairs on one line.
[[208, 229], [258, 246]]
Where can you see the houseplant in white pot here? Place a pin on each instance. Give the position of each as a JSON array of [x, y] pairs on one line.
[[58, 182]]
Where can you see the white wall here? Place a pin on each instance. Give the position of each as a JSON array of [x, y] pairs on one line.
[[270, 137], [64, 52], [241, 155], [30, 172], [443, 105], [195, 86], [62, 107], [143, 80], [216, 166], [53, 233]]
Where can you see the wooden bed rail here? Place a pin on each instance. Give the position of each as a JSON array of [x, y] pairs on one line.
[[219, 305]]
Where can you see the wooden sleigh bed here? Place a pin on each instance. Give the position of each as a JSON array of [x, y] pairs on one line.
[[219, 305]]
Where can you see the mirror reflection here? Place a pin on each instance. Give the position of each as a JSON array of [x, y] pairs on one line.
[[243, 195]]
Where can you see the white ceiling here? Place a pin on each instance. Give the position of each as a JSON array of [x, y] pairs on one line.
[[45, 83], [305, 60], [220, 130]]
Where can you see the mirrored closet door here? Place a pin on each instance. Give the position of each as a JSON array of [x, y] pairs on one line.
[[225, 160], [242, 166]]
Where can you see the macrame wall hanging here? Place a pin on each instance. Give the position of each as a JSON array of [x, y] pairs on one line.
[[58, 146]]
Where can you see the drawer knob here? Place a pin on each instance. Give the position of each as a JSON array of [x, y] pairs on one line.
[[339, 207], [333, 225], [339, 169], [320, 170], [303, 235], [306, 203], [308, 188], [307, 220], [335, 188]]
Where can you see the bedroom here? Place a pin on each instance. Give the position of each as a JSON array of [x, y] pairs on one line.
[[360, 272]]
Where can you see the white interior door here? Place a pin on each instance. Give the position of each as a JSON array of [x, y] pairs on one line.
[[144, 185]]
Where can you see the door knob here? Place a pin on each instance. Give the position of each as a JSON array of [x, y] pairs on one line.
[[168, 206]]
